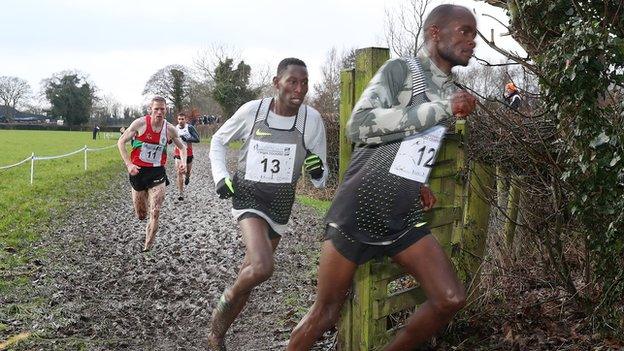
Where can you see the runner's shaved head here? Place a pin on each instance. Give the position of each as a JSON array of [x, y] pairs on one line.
[[441, 16]]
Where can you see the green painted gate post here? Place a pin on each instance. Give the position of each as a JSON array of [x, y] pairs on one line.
[[347, 92], [357, 328], [479, 192], [347, 100], [512, 214]]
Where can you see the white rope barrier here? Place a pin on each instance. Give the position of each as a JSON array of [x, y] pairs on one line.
[[34, 158], [101, 148], [40, 158], [86, 149], [17, 164]]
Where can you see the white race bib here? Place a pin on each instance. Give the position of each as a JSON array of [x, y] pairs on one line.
[[270, 162], [184, 132], [417, 154], [151, 153]]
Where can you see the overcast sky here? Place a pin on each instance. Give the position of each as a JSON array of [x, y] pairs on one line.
[[120, 44]]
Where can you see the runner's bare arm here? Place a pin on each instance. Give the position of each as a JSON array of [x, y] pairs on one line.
[[135, 127], [178, 142]]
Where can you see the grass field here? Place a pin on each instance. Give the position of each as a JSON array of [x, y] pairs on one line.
[[321, 206], [26, 210]]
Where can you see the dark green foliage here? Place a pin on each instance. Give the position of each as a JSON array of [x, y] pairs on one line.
[[231, 86], [179, 89], [71, 98], [578, 50]]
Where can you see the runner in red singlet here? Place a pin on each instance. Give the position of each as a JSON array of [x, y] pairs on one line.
[[146, 163]]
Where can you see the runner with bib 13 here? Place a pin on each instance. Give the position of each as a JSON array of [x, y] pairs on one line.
[[282, 136]]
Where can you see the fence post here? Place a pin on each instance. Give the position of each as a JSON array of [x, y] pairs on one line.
[[32, 168], [85, 157], [357, 329], [512, 213], [460, 193], [476, 219], [347, 91]]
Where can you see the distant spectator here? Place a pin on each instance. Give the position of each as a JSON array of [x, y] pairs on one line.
[[96, 129], [512, 97]]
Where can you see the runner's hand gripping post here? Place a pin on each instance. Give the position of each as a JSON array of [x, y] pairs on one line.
[[314, 166], [225, 188]]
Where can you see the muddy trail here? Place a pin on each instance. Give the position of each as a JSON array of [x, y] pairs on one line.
[[97, 291]]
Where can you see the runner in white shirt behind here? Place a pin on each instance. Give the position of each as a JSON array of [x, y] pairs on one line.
[[189, 135], [282, 136]]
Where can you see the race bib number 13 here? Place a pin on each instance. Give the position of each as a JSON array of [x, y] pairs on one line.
[[417, 154], [270, 162]]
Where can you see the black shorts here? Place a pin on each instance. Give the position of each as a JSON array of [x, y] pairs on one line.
[[148, 177], [189, 159], [272, 233], [359, 252]]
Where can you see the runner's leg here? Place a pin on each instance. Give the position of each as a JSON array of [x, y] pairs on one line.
[[256, 268], [189, 166], [156, 196], [335, 274], [179, 180], [139, 202], [426, 261]]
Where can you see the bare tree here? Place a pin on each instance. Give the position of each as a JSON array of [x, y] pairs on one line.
[[326, 92], [403, 26], [201, 98], [209, 58], [172, 82], [262, 80], [13, 91]]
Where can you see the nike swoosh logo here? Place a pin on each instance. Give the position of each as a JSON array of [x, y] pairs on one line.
[[261, 133]]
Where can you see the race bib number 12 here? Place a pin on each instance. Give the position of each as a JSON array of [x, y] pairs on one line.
[[270, 162], [417, 154]]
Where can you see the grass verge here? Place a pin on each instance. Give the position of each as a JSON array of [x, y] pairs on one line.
[[321, 206], [28, 211]]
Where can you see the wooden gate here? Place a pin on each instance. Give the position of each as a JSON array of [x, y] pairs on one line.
[[459, 222]]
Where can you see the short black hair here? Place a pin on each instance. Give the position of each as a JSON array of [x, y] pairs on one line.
[[441, 15], [281, 67]]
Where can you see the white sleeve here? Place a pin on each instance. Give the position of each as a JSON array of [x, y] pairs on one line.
[[316, 142], [236, 128]]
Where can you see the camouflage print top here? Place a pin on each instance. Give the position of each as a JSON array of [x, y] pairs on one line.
[[384, 114], [372, 205]]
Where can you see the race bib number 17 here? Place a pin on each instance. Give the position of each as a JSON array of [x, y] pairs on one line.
[[417, 154]]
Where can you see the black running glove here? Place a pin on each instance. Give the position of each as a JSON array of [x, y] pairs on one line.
[[314, 166], [225, 188]]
